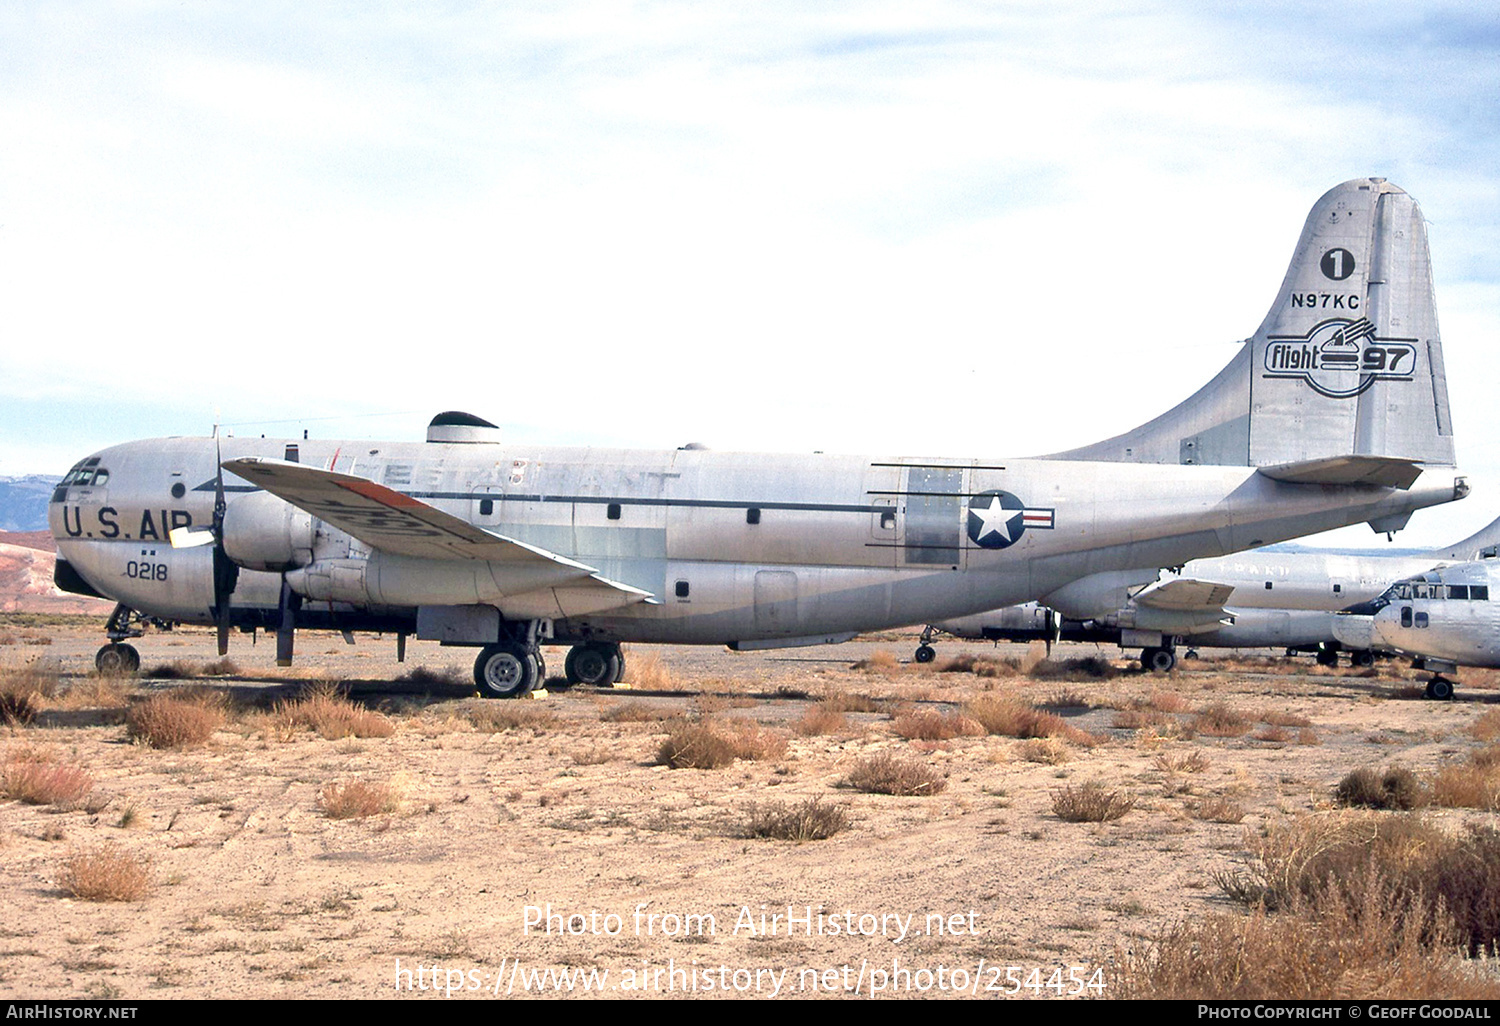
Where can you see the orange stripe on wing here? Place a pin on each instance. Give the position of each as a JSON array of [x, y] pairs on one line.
[[381, 494]]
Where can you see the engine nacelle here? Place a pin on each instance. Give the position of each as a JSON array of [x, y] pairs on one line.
[[264, 532]]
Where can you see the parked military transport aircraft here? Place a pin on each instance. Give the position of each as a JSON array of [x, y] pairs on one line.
[[1444, 618], [1299, 600], [1333, 413]]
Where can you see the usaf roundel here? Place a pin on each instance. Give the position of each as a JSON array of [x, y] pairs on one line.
[[998, 519]]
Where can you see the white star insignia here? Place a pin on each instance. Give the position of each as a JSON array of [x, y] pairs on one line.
[[996, 520]]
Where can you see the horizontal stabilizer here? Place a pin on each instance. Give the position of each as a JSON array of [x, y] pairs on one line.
[[1387, 471], [1184, 594]]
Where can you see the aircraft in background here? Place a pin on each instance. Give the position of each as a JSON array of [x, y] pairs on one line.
[[1281, 597], [1444, 618], [1335, 412]]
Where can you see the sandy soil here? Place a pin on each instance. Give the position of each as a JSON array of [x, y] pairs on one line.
[[257, 893]]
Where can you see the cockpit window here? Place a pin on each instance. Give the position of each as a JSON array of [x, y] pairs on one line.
[[86, 473], [1458, 591], [1479, 592]]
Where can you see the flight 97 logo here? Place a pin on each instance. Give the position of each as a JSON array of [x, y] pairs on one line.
[[1340, 358]]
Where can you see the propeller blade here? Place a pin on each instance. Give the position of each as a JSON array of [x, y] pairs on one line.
[[286, 630]]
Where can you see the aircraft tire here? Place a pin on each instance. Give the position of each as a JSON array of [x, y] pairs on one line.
[[1363, 658], [620, 673], [1440, 689], [117, 658], [1158, 660], [594, 665], [505, 671], [925, 653], [1327, 657]]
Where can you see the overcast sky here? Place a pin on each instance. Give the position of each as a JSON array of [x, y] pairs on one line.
[[958, 228]]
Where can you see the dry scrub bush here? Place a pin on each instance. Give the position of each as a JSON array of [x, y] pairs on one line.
[[1219, 809], [357, 799], [847, 702], [1180, 762], [105, 874], [1285, 719], [633, 712], [648, 671], [331, 716], [447, 677], [169, 721], [1341, 859], [821, 719], [45, 783], [1167, 702], [1049, 751], [887, 774], [1487, 726], [981, 665], [1090, 668], [1010, 717], [1471, 784], [1378, 946], [24, 692], [1221, 720], [712, 744], [931, 725], [184, 669], [495, 717], [1090, 803], [879, 661], [810, 820], [1396, 788]]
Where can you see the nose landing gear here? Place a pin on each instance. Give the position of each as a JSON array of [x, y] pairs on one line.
[[123, 623]]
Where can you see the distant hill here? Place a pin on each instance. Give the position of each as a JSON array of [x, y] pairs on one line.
[[23, 501], [26, 562]]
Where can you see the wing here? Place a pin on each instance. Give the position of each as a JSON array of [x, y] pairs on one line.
[[393, 522]]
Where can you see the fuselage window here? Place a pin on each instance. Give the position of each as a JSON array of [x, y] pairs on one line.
[[1458, 591], [1479, 592]]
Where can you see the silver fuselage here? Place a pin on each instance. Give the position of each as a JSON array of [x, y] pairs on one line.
[[732, 547]]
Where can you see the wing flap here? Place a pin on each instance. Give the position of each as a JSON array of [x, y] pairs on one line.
[[1184, 594]]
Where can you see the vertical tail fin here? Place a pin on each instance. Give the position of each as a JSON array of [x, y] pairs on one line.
[[1348, 361]]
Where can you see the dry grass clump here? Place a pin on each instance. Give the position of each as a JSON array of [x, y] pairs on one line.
[[810, 820], [356, 799], [712, 744], [879, 661], [931, 725], [1396, 788], [185, 669], [495, 717], [1329, 948], [981, 665], [1487, 726], [1471, 784], [1167, 702], [1180, 762], [633, 712], [105, 874], [648, 671], [39, 782], [1219, 809], [821, 719], [1285, 719], [1221, 720], [887, 774], [325, 711], [1090, 803], [447, 677], [171, 721], [848, 702], [1010, 717], [1049, 751], [1402, 861], [24, 692], [1089, 668]]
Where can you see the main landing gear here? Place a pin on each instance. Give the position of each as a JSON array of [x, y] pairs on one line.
[[118, 657], [1440, 687], [595, 663], [512, 667], [1158, 660], [925, 652]]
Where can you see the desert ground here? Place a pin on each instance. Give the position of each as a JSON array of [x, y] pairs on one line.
[[502, 845]]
